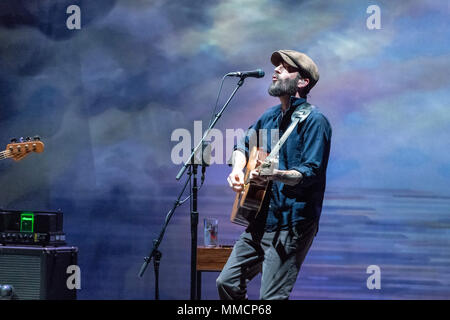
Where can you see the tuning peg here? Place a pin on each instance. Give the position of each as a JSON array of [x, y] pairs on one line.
[[27, 139], [36, 138], [13, 140], [21, 139]]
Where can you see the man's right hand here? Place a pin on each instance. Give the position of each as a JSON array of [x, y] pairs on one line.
[[236, 180]]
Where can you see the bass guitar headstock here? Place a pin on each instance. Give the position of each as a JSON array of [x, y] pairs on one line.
[[19, 149]]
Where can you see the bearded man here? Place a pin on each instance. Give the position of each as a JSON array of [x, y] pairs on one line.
[[277, 240]]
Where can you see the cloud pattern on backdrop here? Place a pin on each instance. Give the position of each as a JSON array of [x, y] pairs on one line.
[[140, 69]]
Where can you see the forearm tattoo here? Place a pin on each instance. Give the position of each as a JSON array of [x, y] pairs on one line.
[[289, 177]]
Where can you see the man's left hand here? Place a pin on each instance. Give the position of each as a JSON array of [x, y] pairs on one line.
[[261, 174], [266, 170]]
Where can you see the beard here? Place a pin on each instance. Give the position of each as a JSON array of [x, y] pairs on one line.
[[286, 87]]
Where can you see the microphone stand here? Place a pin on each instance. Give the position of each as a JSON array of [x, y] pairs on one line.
[[211, 126], [155, 253], [194, 213]]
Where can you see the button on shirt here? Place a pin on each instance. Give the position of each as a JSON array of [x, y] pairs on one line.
[[306, 150]]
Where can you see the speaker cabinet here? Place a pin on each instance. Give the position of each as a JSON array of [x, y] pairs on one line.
[[37, 273]]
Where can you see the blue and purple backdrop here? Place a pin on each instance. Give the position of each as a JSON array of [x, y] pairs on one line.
[[106, 98]]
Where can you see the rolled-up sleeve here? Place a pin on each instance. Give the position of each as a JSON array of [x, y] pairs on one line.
[[312, 155]]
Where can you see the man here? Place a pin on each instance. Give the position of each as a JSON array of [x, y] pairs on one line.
[[277, 241]]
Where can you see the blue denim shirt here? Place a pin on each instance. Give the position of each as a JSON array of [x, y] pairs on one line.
[[306, 150]]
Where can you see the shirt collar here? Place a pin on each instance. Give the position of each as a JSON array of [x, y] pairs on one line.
[[294, 102]]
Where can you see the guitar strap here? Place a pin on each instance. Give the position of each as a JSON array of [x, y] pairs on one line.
[[299, 115]]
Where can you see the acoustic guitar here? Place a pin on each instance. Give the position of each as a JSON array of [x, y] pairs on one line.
[[247, 203], [19, 150]]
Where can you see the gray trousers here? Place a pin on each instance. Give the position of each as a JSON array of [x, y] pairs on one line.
[[278, 255]]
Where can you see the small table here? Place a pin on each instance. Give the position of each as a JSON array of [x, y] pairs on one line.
[[210, 259]]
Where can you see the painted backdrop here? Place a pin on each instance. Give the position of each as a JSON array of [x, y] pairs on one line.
[[106, 98]]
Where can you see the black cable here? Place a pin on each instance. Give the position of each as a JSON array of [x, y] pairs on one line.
[[217, 101]]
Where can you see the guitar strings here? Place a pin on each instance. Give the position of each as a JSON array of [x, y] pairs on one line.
[[5, 154], [8, 154]]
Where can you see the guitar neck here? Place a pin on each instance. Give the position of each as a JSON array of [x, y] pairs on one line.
[[5, 154]]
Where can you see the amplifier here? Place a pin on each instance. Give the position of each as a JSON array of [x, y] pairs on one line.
[[37, 273], [32, 228]]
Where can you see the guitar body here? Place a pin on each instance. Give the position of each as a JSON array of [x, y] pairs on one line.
[[247, 204]]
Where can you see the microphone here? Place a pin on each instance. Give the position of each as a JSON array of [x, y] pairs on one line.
[[258, 73]]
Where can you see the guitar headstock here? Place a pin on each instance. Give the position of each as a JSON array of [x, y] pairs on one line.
[[19, 150]]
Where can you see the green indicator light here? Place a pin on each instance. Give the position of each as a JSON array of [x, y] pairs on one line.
[[27, 222]]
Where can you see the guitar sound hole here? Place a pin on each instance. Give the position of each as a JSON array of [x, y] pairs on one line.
[[254, 198]]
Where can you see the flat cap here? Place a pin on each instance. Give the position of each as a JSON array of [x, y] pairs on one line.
[[297, 60]]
